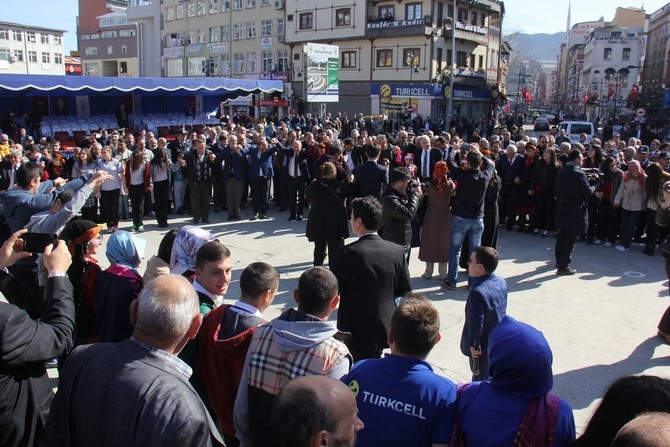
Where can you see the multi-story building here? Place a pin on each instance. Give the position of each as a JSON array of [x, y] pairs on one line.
[[26, 49], [657, 58], [612, 66], [396, 58], [107, 40]]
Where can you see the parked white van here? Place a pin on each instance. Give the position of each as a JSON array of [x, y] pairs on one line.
[[575, 128]]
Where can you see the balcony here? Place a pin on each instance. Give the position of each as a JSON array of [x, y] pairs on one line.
[[397, 28], [465, 31]]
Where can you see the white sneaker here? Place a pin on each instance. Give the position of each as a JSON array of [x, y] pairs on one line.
[[621, 248], [597, 242], [607, 244]]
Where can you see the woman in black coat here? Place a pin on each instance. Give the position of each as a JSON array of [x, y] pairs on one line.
[[327, 221]]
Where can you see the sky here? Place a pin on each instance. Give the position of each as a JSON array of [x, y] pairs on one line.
[[530, 16]]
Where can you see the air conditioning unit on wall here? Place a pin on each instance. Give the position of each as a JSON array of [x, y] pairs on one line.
[[279, 4]]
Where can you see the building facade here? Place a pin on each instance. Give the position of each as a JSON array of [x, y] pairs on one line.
[[26, 49], [107, 40]]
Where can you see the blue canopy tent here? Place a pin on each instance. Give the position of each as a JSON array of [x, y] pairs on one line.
[[17, 92]]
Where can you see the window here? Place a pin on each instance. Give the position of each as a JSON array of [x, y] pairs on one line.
[[413, 11], [169, 14], [438, 59], [266, 28], [44, 38], [213, 6], [411, 56], [17, 36], [201, 8], [32, 56], [91, 51], [348, 59], [461, 59], [110, 49], [266, 60], [280, 26], [127, 33], [18, 54], [472, 61], [306, 21], [191, 37], [384, 58], [282, 60], [31, 37], [95, 36], [214, 34], [251, 62], [124, 49], [607, 54], [625, 56], [225, 63], [481, 62], [91, 69], [238, 31], [386, 13], [343, 17], [202, 35], [450, 11], [474, 17], [238, 4], [238, 63], [4, 34], [462, 15], [266, 2], [108, 34], [449, 61], [4, 54], [251, 3], [225, 7], [175, 67], [195, 65], [482, 19], [440, 13], [225, 33], [123, 67], [190, 12], [46, 58], [179, 12], [251, 30]]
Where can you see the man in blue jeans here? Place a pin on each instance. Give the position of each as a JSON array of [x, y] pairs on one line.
[[467, 206]]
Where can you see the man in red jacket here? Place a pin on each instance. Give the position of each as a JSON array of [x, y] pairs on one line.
[[224, 339]]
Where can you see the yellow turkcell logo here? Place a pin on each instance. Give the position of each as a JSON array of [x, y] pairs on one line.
[[353, 386], [385, 91]]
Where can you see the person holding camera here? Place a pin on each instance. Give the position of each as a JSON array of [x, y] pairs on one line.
[[26, 344], [400, 200]]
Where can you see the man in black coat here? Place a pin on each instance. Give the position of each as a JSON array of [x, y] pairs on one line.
[[371, 273], [509, 168], [26, 344], [400, 201], [370, 176], [572, 195]]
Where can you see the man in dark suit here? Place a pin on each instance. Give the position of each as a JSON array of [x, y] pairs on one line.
[[371, 272], [297, 177], [509, 168], [26, 344], [572, 195], [197, 166], [425, 158], [370, 177], [8, 170], [260, 174]]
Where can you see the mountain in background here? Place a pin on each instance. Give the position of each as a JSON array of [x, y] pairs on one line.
[[540, 47]]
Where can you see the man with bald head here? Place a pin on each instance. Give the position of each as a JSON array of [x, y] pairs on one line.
[[314, 411], [647, 430], [136, 393]]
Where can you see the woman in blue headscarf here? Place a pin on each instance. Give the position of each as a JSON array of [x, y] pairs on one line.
[[117, 286], [514, 407]]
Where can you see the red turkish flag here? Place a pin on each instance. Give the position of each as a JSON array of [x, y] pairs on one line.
[[610, 92]]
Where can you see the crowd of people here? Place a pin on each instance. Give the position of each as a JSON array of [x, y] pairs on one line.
[[161, 359]]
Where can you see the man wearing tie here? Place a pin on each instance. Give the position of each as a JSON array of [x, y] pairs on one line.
[[426, 157], [297, 178], [8, 170]]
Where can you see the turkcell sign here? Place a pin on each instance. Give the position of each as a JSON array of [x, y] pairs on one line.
[[411, 91]]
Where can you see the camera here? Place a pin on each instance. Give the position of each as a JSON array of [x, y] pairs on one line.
[[593, 175], [413, 184], [666, 187]]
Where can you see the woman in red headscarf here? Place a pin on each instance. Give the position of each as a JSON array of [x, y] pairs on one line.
[[436, 234]]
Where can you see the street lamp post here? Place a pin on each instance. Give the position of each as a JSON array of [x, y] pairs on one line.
[[453, 66], [518, 89], [413, 65]]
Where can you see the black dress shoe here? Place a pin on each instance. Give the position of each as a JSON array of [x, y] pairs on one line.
[[254, 217], [299, 218], [566, 271], [205, 220], [291, 218]]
